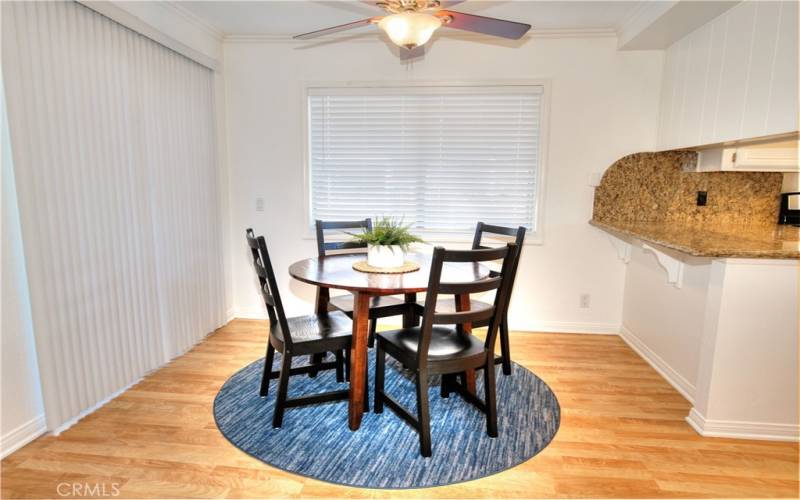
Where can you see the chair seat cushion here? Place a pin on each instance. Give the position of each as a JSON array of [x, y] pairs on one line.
[[315, 327], [345, 302], [446, 343]]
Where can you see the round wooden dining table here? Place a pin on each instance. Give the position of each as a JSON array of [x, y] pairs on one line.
[[336, 272]]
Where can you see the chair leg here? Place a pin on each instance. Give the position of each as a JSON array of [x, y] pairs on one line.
[[315, 360], [373, 326], [265, 377], [505, 348], [409, 318], [283, 386], [423, 413], [490, 396], [347, 365], [366, 390], [380, 365], [445, 389], [339, 366]]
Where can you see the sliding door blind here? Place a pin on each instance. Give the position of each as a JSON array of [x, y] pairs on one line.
[[113, 139], [440, 157]]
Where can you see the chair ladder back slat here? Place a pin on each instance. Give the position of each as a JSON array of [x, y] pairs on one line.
[[481, 286], [342, 245], [436, 287], [480, 229], [269, 287], [260, 271], [269, 300], [476, 255], [459, 318], [492, 229], [519, 239], [252, 243], [324, 247]]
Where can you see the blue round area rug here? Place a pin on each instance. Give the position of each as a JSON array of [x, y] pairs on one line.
[[384, 453]]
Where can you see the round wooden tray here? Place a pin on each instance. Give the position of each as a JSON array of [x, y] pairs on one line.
[[407, 267]]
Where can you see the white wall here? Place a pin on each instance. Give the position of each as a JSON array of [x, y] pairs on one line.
[[664, 323], [748, 373], [734, 78], [603, 106], [21, 409]]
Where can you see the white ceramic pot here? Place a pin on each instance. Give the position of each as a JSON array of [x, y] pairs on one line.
[[385, 256]]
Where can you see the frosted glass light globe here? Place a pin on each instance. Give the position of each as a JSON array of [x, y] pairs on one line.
[[410, 29]]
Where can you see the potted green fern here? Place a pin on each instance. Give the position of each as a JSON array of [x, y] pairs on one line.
[[387, 242]]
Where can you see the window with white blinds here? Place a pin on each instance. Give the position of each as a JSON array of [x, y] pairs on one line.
[[442, 158]]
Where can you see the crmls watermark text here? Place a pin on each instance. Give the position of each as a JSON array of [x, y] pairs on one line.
[[98, 490]]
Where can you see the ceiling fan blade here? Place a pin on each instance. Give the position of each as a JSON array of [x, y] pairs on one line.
[[336, 29], [485, 25]]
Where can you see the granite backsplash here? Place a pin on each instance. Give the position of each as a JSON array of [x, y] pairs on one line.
[[662, 187]]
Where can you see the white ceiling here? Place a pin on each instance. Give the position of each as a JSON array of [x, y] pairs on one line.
[[280, 17]]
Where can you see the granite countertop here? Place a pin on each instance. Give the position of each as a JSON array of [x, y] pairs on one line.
[[704, 240]]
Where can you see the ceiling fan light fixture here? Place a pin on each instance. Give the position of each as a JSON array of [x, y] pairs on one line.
[[410, 29]]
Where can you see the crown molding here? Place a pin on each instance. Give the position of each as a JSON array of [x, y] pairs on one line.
[[194, 19], [570, 33], [450, 35]]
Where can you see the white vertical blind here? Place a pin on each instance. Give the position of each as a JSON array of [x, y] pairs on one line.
[[440, 157], [114, 146]]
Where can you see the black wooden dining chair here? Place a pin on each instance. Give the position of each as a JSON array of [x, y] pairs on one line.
[[449, 305], [431, 349], [380, 307], [297, 336]]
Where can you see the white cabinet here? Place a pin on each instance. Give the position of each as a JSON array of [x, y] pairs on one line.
[[763, 157], [734, 78]]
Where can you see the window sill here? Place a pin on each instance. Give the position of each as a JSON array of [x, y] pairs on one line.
[[432, 239]]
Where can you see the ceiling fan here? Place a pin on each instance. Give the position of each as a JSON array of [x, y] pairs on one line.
[[410, 23]]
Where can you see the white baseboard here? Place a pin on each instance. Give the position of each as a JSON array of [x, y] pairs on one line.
[[742, 430], [566, 327], [676, 380], [534, 326], [22, 435]]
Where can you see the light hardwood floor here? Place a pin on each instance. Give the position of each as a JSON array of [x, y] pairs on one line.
[[622, 435]]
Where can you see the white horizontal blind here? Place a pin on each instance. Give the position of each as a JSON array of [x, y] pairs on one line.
[[440, 157], [113, 138]]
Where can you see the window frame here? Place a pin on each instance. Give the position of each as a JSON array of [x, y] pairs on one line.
[[456, 236]]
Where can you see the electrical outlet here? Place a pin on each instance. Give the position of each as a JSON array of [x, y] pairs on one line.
[[586, 300], [702, 198], [259, 204]]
